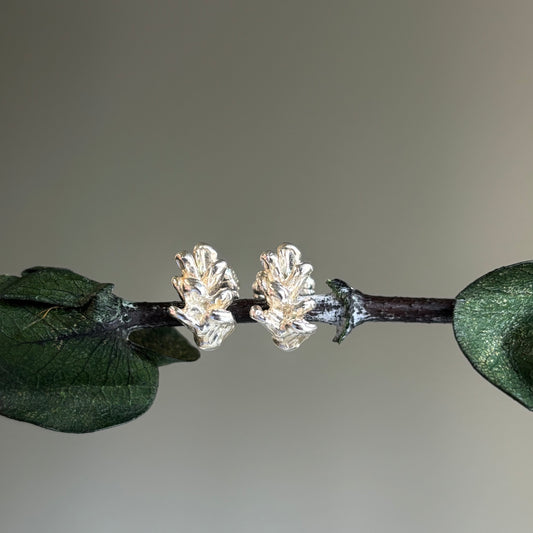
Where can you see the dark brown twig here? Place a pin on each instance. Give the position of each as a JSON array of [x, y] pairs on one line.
[[344, 308]]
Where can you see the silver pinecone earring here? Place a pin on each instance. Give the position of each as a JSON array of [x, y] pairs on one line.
[[286, 284], [206, 286]]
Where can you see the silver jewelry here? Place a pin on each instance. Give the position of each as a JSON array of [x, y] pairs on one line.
[[207, 286], [286, 285]]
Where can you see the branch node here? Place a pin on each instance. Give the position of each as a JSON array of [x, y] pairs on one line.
[[353, 309]]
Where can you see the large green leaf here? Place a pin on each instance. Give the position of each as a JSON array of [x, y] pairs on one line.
[[66, 358], [493, 324], [57, 286]]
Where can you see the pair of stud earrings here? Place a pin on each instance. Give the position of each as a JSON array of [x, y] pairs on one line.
[[207, 286]]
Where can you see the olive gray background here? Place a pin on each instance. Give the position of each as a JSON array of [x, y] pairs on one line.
[[391, 141]]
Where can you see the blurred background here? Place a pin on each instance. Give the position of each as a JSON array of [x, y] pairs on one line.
[[391, 141]]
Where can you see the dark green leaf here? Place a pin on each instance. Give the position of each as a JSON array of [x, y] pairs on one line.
[[5, 281], [68, 364], [57, 286], [163, 345], [493, 324]]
